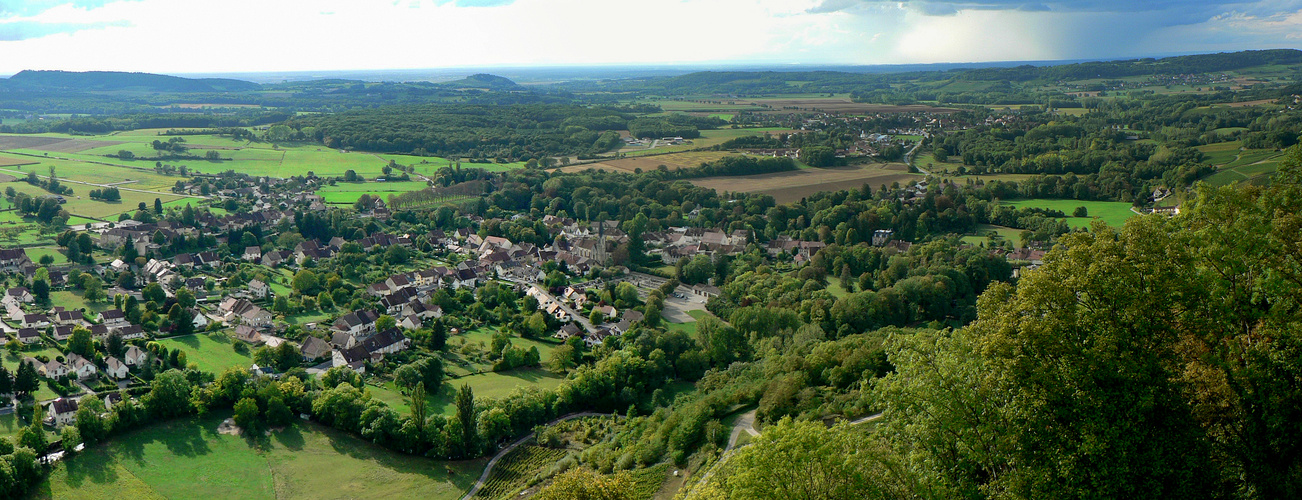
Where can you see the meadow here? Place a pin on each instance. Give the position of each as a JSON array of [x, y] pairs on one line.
[[485, 385], [1114, 213], [347, 193], [213, 352], [188, 458]]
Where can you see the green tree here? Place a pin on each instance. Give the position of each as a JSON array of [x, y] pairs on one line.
[[153, 292], [385, 322], [246, 416], [41, 291], [305, 282], [81, 343], [169, 394], [584, 484], [91, 424], [185, 298], [808, 461], [26, 380], [465, 402]]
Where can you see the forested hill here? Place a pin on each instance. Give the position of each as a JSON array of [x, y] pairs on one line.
[[116, 80], [778, 82], [484, 81]]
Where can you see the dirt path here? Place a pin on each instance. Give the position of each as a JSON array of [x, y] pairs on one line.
[[491, 463]]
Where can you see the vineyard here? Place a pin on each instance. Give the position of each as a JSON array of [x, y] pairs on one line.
[[647, 481], [517, 468]]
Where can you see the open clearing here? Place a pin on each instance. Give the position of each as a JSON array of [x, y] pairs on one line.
[[787, 187], [673, 161], [188, 458], [212, 352], [1114, 213], [347, 193], [485, 385]]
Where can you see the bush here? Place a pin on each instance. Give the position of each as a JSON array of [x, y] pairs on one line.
[[1080, 212]]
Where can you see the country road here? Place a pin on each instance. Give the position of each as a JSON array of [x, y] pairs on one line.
[[491, 463]]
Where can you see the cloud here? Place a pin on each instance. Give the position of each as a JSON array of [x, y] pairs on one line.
[[1179, 11], [476, 3], [23, 30], [26, 8]]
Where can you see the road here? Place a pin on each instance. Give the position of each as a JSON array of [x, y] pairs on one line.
[[491, 463]]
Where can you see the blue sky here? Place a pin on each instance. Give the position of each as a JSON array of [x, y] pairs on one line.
[[182, 36]]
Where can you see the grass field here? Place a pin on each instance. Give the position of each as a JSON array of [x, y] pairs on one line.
[[347, 193], [80, 204], [1114, 213], [485, 385], [708, 138], [1002, 234], [185, 459], [212, 352], [672, 161]]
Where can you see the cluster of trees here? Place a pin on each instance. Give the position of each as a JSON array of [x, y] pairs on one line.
[[109, 194]]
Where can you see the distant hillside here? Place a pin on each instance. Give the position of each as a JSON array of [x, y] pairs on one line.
[[1179, 65], [116, 80], [484, 81]]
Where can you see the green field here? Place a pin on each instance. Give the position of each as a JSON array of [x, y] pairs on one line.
[[484, 385], [348, 192], [212, 352], [185, 459], [708, 138], [1009, 234], [1114, 213]]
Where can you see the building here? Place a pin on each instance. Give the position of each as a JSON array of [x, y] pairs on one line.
[[62, 411], [314, 348], [134, 356], [115, 368], [354, 357], [259, 290]]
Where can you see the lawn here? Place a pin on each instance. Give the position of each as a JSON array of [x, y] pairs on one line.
[[1009, 234], [212, 352], [485, 385], [1114, 213], [73, 300], [187, 458]]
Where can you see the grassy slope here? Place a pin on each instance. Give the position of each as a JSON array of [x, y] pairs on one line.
[[212, 352], [1114, 213], [189, 459]]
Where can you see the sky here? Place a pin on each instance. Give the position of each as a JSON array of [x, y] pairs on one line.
[[209, 36]]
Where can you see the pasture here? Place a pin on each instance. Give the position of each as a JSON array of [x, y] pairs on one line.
[[1114, 213], [786, 187], [485, 385], [673, 161], [188, 458], [81, 205], [213, 352], [347, 193]]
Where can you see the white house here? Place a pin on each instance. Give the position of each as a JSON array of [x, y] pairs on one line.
[[258, 289], [116, 368], [62, 411], [134, 356]]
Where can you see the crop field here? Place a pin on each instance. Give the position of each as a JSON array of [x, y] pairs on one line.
[[515, 469], [347, 193], [189, 459], [673, 161], [51, 144], [212, 352], [97, 170], [1222, 152], [1114, 213], [786, 187], [1248, 165], [708, 138]]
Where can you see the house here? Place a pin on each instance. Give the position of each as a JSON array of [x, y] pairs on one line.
[[20, 294], [35, 321], [73, 317], [62, 332], [357, 323], [245, 311], [354, 357], [633, 316], [314, 348], [81, 367], [62, 411], [607, 311], [112, 318], [705, 291], [259, 290], [14, 259], [411, 322], [134, 356], [386, 342], [248, 334], [29, 335], [129, 332], [53, 369], [343, 340], [567, 331], [115, 368], [881, 236], [252, 254], [200, 320]]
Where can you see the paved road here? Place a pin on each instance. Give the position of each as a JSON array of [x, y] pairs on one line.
[[491, 463]]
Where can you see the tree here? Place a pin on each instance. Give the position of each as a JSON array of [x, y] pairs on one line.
[[419, 406], [246, 416], [6, 382], [581, 483], [153, 292], [185, 298], [26, 380], [94, 290], [385, 322], [169, 394], [90, 421], [1080, 211], [465, 401], [305, 282], [70, 437], [158, 206], [81, 343], [279, 413], [41, 291], [806, 460], [494, 425], [33, 436]]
